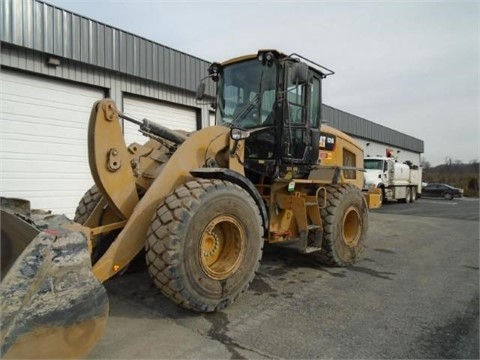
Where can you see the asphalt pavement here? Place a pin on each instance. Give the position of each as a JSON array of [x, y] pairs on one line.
[[413, 295]]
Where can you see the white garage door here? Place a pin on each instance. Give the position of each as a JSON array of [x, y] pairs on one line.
[[172, 116], [43, 137], [211, 118]]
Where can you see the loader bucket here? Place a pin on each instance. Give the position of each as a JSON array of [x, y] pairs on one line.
[[16, 234], [51, 304]]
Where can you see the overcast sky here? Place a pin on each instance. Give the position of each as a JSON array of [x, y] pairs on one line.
[[409, 65]]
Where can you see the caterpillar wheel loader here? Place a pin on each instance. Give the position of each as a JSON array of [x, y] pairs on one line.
[[201, 205]]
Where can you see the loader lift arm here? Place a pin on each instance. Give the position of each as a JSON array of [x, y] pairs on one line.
[[119, 186]]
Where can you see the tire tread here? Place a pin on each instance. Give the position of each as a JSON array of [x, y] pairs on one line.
[[328, 214], [163, 242]]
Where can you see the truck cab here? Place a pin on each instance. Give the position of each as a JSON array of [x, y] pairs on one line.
[[376, 171]]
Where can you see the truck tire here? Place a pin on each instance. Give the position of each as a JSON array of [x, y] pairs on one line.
[[408, 197], [413, 196], [383, 196], [345, 225], [86, 205], [204, 244]]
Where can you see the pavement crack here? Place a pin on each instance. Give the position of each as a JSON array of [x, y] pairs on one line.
[[218, 331]]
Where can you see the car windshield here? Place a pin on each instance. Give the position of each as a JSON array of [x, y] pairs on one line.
[[246, 94], [373, 164]]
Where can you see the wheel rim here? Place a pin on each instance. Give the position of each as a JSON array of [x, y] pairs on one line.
[[352, 226], [222, 247]]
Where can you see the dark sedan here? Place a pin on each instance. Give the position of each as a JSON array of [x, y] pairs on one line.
[[442, 190]]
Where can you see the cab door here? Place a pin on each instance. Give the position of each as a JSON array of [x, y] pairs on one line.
[[295, 126], [301, 121]]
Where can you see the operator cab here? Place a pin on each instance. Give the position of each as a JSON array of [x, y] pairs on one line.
[[274, 101]]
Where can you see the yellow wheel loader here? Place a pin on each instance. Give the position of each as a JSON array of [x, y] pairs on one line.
[[201, 205]]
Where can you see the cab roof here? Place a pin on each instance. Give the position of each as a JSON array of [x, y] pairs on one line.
[[280, 55]]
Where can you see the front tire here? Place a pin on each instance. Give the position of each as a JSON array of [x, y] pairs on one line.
[[383, 196], [204, 244], [345, 225]]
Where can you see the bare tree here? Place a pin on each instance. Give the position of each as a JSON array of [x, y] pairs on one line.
[[425, 164]]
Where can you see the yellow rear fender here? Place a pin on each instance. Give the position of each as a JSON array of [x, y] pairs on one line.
[[199, 149]]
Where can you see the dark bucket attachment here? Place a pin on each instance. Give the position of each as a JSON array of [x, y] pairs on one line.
[[51, 304]]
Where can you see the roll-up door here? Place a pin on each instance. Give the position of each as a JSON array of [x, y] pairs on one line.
[[43, 137], [175, 117], [211, 118]]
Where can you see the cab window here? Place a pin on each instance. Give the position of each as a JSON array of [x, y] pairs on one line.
[[296, 102], [315, 103], [350, 161]]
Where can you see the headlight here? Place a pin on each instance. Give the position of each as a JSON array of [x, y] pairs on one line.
[[239, 134]]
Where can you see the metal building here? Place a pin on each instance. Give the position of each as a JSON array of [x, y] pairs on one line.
[[375, 138], [55, 64]]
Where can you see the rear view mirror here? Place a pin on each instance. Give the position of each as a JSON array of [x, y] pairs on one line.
[[299, 73]]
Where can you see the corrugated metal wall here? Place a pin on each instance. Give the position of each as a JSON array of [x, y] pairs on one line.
[[46, 28], [115, 84], [359, 127]]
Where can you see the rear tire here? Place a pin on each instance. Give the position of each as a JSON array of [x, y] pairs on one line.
[[204, 244], [84, 209], [406, 199], [408, 196], [87, 204], [345, 225], [413, 195]]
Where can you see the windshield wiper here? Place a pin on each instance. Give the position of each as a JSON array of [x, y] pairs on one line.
[[249, 106]]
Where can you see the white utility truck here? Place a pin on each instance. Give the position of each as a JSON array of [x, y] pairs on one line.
[[398, 181]]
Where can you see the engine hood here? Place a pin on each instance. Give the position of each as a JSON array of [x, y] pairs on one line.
[[372, 177]]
